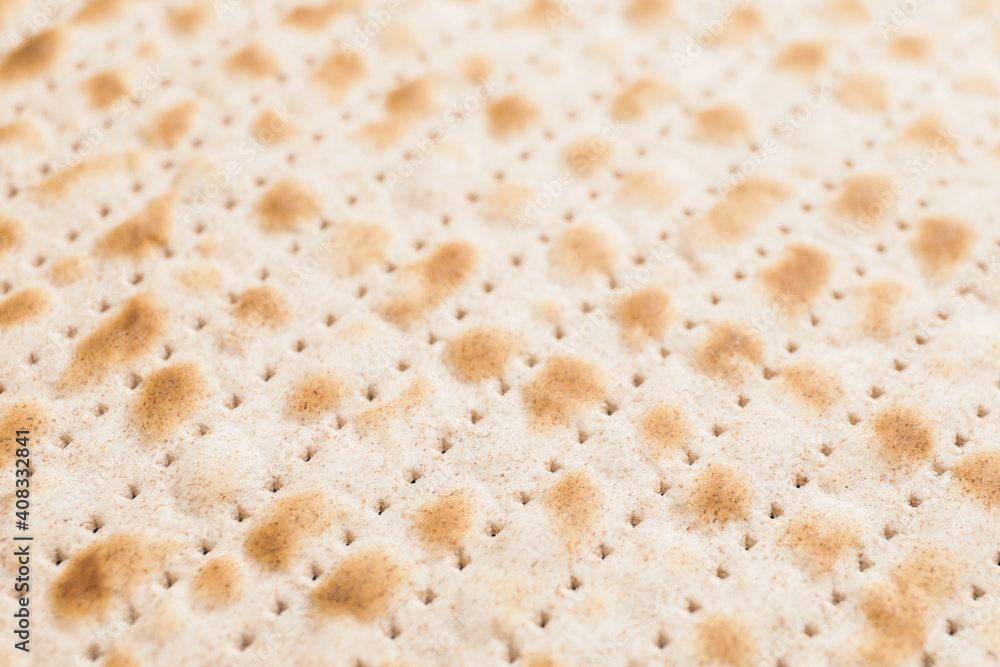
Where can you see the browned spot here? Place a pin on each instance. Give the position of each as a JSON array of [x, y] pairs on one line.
[[69, 269], [586, 156], [168, 397], [104, 88], [171, 125], [929, 131], [340, 71], [434, 278], [263, 306], [444, 522], [100, 10], [726, 640], [24, 305], [11, 233], [855, 11], [511, 114], [865, 198], [726, 350], [28, 416], [219, 583], [664, 430], [879, 304], [910, 47], [253, 60], [743, 207], [564, 387], [978, 474], [365, 585], [639, 98], [141, 233], [900, 610], [276, 538], [107, 569], [358, 245], [904, 436], [201, 278], [574, 502], [67, 178], [798, 277], [724, 124], [317, 17], [132, 331], [33, 57], [649, 188], [645, 313], [120, 658], [480, 353], [813, 385], [820, 539], [646, 12], [719, 493], [743, 23], [537, 14], [412, 98], [941, 244], [189, 19], [286, 206], [272, 126], [543, 661], [316, 394], [582, 250], [23, 131], [380, 419], [507, 200], [863, 91], [477, 68], [806, 58]]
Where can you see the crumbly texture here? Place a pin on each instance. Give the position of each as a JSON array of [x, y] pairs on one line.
[[534, 333]]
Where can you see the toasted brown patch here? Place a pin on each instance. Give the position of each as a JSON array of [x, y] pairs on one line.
[[62, 181], [253, 60], [434, 278], [365, 585], [120, 658], [865, 198], [286, 206], [277, 536], [644, 313], [68, 269], [29, 416], [263, 306], [537, 14], [586, 156], [190, 19], [316, 394], [879, 304], [726, 350], [813, 385], [941, 244], [201, 277], [805, 58], [910, 47], [863, 91], [510, 115], [381, 418], [444, 522], [723, 124], [648, 188], [664, 430], [168, 397], [11, 234], [719, 493], [637, 99], [340, 71], [574, 503], [121, 337], [480, 353], [141, 233], [743, 207], [108, 569], [358, 245], [412, 98], [558, 392], [646, 12], [743, 23], [100, 10], [978, 475], [855, 11], [798, 277], [219, 583], [904, 436], [726, 640], [23, 131], [272, 126], [820, 539], [477, 67], [33, 57], [929, 131], [582, 250], [171, 125], [318, 17], [24, 305], [507, 200], [104, 88]]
